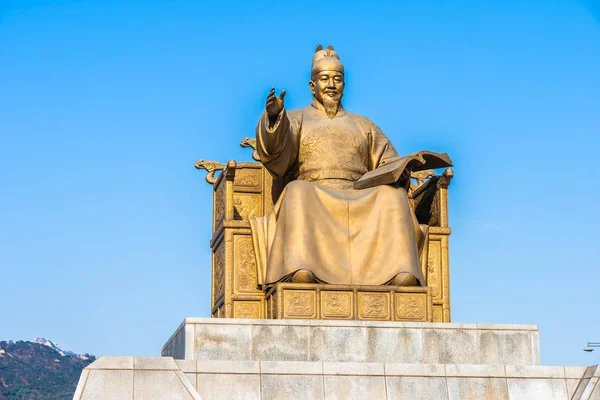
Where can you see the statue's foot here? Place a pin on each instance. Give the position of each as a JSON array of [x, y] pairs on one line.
[[404, 279], [303, 276]]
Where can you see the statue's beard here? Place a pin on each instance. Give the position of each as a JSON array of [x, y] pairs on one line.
[[331, 106]]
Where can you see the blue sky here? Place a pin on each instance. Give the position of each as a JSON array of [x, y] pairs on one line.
[[106, 105]]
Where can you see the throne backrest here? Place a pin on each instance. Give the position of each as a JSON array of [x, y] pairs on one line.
[[246, 190]]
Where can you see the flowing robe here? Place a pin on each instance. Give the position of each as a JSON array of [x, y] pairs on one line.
[[344, 236]]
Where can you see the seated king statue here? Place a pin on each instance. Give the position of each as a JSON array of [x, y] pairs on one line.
[[321, 229]]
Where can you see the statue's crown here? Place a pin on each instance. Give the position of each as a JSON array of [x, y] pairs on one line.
[[326, 60]]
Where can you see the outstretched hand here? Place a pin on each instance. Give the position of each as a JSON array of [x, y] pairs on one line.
[[274, 104]]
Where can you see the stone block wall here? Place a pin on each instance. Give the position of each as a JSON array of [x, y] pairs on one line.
[[139, 378], [354, 341], [154, 378]]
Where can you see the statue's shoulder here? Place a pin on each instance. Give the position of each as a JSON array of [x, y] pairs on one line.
[[361, 120], [296, 114]]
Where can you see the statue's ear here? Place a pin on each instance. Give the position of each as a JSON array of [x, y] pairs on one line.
[[330, 47], [311, 85], [319, 48]]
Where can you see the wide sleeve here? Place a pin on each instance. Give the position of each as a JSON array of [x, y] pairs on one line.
[[381, 149], [277, 145]]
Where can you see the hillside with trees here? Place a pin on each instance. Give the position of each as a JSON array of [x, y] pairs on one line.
[[39, 371]]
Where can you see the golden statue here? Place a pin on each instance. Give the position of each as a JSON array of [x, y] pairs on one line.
[[322, 229], [331, 223]]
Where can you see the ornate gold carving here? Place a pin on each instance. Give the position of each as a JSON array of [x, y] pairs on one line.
[[411, 306], [299, 303], [211, 167], [373, 305], [220, 202], [434, 268], [218, 272], [251, 143], [246, 309], [421, 176], [431, 202], [247, 177], [245, 263], [336, 304], [324, 143], [267, 194], [445, 178], [246, 206], [445, 271]]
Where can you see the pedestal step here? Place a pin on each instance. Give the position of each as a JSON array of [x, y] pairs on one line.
[[154, 378]]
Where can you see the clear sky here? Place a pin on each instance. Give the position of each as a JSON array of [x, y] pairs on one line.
[[106, 105]]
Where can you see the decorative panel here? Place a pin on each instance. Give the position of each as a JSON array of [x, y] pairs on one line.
[[218, 272], [299, 304], [411, 306], [350, 302], [434, 269], [245, 264], [336, 305], [247, 178], [219, 203], [246, 309], [374, 306], [446, 278], [246, 205]]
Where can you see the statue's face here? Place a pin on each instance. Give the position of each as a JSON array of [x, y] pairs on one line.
[[327, 85]]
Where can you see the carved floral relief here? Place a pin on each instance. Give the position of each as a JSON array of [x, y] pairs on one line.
[[336, 304], [220, 202], [246, 206], [434, 268], [246, 264], [411, 306], [247, 177], [218, 272], [373, 305], [246, 309], [299, 303]]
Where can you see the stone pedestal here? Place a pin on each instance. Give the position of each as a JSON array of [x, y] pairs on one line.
[[293, 359], [353, 341]]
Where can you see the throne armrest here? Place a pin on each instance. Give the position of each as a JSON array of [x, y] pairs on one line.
[[429, 197]]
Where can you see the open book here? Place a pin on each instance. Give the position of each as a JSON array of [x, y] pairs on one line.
[[391, 172]]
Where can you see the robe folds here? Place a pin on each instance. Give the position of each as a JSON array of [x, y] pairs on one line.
[[320, 223]]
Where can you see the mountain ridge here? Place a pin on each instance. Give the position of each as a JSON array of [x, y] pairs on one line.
[[39, 370], [60, 350]]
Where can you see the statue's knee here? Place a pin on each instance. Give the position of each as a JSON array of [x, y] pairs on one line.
[[392, 192], [297, 187]]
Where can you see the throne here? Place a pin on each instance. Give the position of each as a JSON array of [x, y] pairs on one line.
[[246, 190]]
